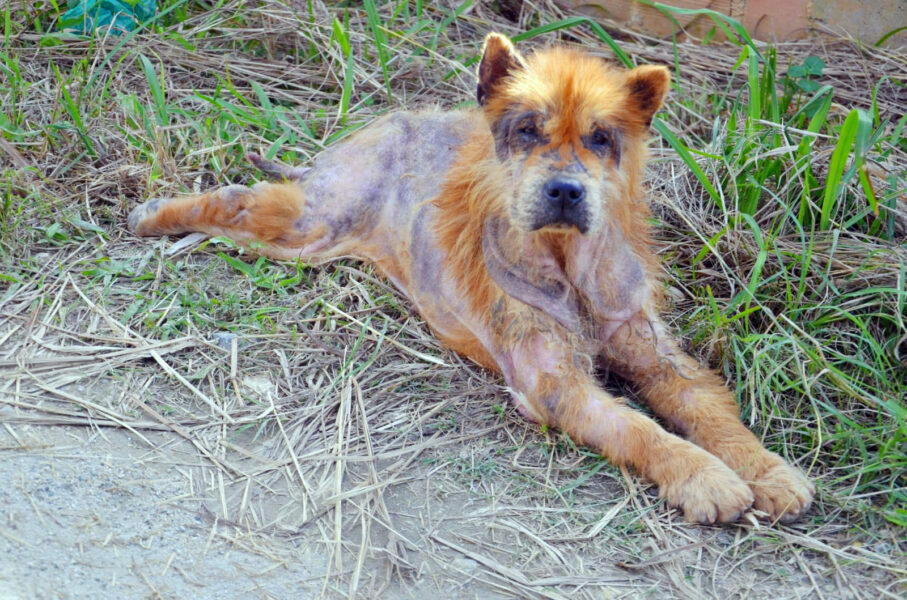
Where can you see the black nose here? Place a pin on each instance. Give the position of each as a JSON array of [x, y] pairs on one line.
[[564, 192]]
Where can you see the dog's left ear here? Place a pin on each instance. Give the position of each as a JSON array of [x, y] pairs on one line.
[[648, 86], [499, 59]]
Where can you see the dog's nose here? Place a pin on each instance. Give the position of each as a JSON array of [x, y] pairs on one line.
[[564, 192]]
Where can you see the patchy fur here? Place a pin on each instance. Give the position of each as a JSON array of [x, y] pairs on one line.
[[520, 232]]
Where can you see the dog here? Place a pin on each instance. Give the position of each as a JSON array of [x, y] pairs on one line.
[[519, 230]]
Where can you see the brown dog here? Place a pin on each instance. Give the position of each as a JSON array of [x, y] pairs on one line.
[[520, 232]]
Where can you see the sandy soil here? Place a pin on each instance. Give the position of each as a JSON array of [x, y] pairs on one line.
[[104, 512], [91, 514]]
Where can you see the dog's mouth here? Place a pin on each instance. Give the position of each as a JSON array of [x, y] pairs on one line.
[[562, 225], [562, 205]]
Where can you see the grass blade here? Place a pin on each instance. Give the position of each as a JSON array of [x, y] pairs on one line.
[[597, 29], [157, 89], [855, 132], [73, 109], [836, 166], [343, 41], [688, 160], [890, 34], [380, 43]]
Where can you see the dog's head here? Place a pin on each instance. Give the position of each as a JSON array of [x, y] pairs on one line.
[[569, 128]]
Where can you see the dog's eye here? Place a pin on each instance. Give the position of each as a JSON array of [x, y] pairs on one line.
[[528, 131], [600, 139]]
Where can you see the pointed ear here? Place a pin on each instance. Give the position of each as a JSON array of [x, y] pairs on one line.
[[499, 59], [648, 86]]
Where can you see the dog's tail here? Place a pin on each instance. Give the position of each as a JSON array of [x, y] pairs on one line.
[[277, 170]]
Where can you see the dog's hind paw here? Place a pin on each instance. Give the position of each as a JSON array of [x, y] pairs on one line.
[[141, 213]]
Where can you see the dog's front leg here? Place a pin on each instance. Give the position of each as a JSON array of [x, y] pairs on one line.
[[552, 384], [698, 405]]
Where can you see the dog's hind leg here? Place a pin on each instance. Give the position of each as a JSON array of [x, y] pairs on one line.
[[261, 212], [267, 216]]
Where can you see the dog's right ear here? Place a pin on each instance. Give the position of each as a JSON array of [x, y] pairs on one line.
[[499, 59]]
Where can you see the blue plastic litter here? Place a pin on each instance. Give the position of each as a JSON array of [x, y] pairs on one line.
[[85, 16]]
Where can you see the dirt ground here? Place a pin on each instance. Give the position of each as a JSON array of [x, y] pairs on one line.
[[99, 514], [448, 496], [91, 513]]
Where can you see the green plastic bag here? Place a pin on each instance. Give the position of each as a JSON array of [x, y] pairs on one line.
[[86, 16]]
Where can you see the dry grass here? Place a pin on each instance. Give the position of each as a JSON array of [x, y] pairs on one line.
[[329, 420]]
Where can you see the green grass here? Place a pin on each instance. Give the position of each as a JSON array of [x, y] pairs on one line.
[[757, 163], [787, 248], [794, 330]]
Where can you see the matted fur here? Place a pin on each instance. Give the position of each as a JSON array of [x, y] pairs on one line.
[[519, 230]]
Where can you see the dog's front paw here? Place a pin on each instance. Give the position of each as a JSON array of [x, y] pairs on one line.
[[710, 493], [781, 491]]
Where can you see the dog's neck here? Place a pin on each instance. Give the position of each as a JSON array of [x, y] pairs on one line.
[[580, 281], [531, 268]]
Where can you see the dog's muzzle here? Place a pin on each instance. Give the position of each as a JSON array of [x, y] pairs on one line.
[[563, 202]]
